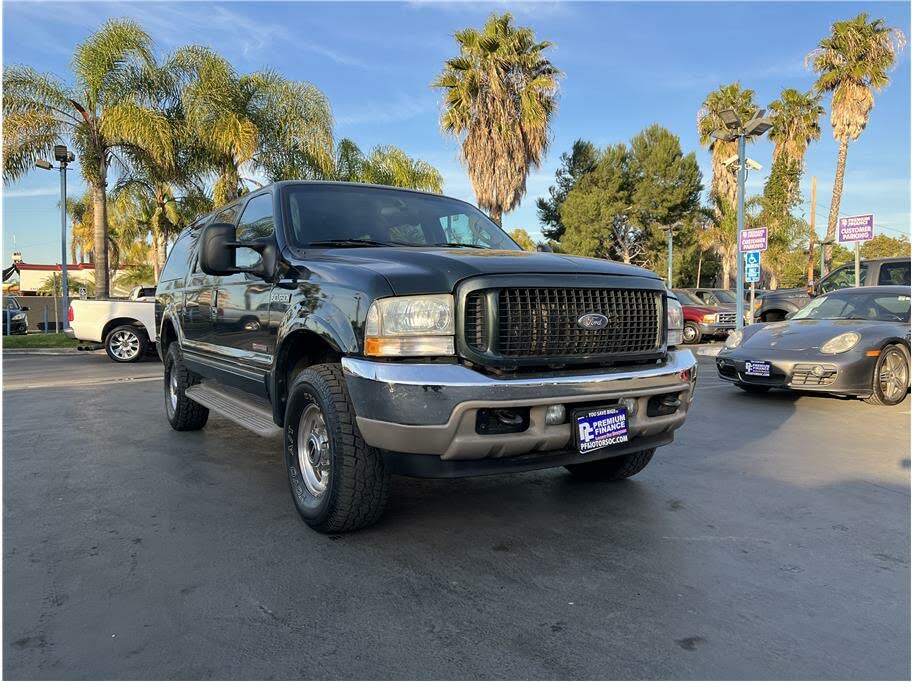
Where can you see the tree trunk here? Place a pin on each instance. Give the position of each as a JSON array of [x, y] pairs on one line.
[[726, 272], [73, 246], [699, 267], [496, 216], [100, 218], [837, 199], [159, 244]]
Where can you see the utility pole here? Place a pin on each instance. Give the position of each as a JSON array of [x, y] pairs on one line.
[[813, 234]]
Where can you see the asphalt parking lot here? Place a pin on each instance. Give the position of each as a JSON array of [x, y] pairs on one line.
[[771, 540]]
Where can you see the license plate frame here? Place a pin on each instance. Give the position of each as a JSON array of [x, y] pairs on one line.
[[758, 368], [612, 421]]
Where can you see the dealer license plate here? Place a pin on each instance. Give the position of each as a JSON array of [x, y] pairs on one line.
[[601, 428], [757, 369]]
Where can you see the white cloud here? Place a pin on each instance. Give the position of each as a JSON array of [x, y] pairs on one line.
[[402, 108], [31, 192]]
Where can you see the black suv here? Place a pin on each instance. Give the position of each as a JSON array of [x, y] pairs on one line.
[[385, 331], [775, 305]]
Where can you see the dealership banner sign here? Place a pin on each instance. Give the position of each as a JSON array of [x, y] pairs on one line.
[[753, 239], [856, 228]]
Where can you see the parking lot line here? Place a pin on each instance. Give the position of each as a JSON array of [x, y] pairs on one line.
[[79, 383]]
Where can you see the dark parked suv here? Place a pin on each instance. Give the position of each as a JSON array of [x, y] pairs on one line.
[[383, 331], [775, 305]]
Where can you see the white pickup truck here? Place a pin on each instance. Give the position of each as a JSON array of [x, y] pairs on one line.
[[126, 327]]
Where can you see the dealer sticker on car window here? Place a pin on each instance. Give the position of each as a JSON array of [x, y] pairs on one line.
[[757, 369], [601, 428]]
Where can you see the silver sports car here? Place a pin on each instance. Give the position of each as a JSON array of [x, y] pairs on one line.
[[849, 342]]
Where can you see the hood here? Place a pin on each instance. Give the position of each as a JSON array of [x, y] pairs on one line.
[[786, 293], [802, 334], [435, 270], [700, 309]]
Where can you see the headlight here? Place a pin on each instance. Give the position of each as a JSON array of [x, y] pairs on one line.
[[675, 323], [410, 326], [709, 319], [734, 339], [18, 316], [841, 343]]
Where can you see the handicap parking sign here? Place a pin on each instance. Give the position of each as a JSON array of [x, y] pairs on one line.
[[752, 273], [752, 258]]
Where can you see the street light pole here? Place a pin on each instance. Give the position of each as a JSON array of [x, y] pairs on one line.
[[739, 290], [670, 254], [735, 130], [64, 288], [65, 157]]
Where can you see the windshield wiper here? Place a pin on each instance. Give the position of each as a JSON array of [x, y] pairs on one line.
[[457, 244], [349, 242]]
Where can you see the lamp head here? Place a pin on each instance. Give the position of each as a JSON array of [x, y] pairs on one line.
[[730, 118], [46, 165], [722, 135], [62, 154]]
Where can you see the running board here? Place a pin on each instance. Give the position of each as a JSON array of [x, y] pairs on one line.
[[253, 414]]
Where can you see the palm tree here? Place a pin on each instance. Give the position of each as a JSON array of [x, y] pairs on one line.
[[732, 96], [80, 212], [109, 106], [280, 126], [796, 123], [852, 62], [385, 165], [500, 95]]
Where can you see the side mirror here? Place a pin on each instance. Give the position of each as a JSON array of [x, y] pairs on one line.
[[789, 316], [544, 248], [218, 253], [217, 249], [24, 308]]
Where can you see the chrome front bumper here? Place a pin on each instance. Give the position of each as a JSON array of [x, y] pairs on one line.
[[432, 408]]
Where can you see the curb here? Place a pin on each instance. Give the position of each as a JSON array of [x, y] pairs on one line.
[[44, 351]]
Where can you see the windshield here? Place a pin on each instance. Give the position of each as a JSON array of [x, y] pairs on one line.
[[685, 299], [724, 297], [846, 305], [353, 215]]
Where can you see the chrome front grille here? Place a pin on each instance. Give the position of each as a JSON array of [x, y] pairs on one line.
[[727, 317]]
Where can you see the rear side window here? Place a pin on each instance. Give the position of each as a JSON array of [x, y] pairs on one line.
[[178, 262], [895, 273]]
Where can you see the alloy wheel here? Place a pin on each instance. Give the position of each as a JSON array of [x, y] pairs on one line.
[[894, 375], [124, 345]]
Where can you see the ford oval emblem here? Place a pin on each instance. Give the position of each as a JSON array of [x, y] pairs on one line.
[[593, 321]]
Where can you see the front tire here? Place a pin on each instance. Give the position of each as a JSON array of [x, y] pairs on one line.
[[126, 343], [183, 414], [338, 482], [891, 377], [692, 333], [613, 469]]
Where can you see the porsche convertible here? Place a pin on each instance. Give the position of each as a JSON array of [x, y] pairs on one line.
[[852, 342]]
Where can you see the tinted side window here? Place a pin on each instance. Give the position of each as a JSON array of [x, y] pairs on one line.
[[895, 273], [178, 262], [842, 278], [257, 224], [229, 215]]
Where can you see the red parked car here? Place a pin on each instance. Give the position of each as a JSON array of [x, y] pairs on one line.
[[704, 320]]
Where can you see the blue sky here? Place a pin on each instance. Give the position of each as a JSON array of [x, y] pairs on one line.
[[626, 65]]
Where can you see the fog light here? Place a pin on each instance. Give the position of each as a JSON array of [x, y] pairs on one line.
[[818, 371], [630, 404], [555, 414]]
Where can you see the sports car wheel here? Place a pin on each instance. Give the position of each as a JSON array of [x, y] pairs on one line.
[[891, 377]]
